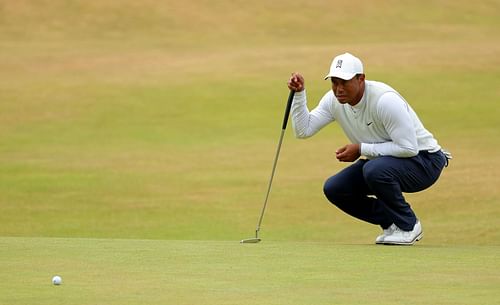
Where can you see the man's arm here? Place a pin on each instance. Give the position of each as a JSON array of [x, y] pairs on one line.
[[305, 123], [394, 113]]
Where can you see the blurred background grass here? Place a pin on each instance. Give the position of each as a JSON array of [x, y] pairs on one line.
[[123, 119]]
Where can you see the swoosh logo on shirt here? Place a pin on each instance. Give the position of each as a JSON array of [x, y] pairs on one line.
[[368, 124]]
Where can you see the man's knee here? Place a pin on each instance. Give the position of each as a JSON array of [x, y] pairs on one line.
[[331, 190]]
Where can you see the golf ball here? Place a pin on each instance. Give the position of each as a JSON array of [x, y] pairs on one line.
[[57, 280]]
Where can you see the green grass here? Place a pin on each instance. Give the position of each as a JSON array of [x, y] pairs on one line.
[[122, 122], [108, 271]]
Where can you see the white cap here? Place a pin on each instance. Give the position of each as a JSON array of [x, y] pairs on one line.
[[345, 66]]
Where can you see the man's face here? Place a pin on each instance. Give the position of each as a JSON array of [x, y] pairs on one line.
[[349, 91]]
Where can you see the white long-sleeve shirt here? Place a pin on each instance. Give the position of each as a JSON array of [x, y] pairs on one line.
[[383, 123]]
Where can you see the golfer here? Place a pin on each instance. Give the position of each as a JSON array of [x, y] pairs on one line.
[[394, 151]]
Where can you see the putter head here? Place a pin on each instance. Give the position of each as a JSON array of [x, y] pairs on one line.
[[250, 241]]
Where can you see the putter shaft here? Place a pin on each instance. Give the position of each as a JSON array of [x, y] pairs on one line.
[[270, 184], [261, 217]]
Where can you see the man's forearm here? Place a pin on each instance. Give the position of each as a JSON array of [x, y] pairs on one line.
[[305, 123]]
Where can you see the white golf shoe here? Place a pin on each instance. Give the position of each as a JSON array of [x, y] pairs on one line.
[[400, 237], [380, 239]]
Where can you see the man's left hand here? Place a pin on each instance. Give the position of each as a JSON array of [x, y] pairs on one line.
[[348, 153]]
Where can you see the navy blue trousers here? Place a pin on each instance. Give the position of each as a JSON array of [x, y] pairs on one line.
[[372, 190]]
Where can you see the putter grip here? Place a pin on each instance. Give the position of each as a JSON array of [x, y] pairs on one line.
[[288, 107]]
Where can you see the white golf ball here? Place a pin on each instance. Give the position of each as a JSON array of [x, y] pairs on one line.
[[57, 280]]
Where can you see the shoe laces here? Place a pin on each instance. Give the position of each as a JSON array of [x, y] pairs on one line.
[[397, 230], [390, 229]]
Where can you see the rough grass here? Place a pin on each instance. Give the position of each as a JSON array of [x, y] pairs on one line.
[[162, 122]]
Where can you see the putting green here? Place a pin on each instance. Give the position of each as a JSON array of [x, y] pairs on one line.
[[97, 271]]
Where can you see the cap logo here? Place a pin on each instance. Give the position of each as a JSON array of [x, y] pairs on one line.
[[339, 64]]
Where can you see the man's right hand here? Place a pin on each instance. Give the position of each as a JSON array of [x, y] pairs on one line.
[[348, 153], [296, 82]]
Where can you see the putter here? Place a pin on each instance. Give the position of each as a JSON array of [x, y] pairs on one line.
[[256, 239]]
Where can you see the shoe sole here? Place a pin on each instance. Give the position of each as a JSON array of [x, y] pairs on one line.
[[419, 237]]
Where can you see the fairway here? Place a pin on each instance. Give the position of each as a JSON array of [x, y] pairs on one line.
[[137, 140], [98, 271]]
